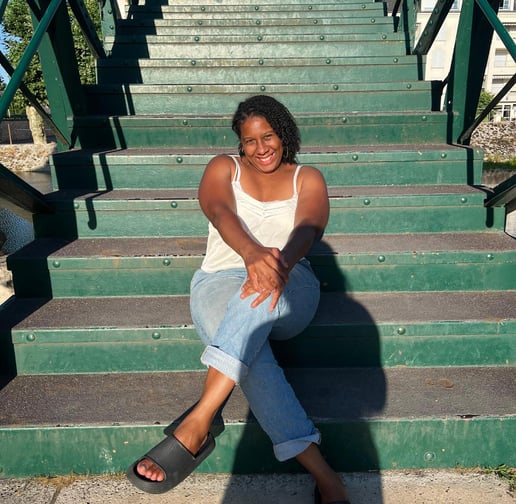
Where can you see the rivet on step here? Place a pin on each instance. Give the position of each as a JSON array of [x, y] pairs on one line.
[[197, 38], [367, 202], [321, 37], [424, 118], [430, 22], [328, 61], [490, 257], [203, 9], [56, 264], [373, 20], [259, 38], [344, 119], [381, 258], [444, 155], [166, 262], [189, 89], [260, 62], [31, 337], [76, 205], [409, 86], [193, 62], [429, 456], [256, 7], [199, 23], [315, 21], [336, 87], [384, 37], [464, 199], [156, 335], [310, 7], [401, 331], [436, 10], [173, 204], [425, 33], [179, 160], [185, 122], [258, 22], [354, 157], [395, 60], [363, 6]]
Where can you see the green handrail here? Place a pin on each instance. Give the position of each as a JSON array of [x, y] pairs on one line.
[[467, 73]]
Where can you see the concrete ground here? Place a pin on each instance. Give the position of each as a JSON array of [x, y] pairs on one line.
[[390, 487]]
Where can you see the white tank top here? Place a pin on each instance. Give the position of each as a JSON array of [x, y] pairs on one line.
[[267, 222]]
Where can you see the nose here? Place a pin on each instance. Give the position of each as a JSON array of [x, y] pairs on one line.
[[261, 147]]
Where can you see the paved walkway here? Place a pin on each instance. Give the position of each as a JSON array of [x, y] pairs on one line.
[[396, 487]]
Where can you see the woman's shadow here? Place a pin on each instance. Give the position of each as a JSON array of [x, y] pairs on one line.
[[335, 368]]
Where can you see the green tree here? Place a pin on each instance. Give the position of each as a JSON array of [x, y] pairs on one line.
[[18, 26], [484, 100]]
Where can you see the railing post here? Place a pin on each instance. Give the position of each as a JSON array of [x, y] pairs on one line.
[[59, 65], [472, 45]]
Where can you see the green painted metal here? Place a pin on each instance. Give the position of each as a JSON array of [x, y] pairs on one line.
[[104, 350], [60, 70], [368, 444], [465, 80], [194, 132]]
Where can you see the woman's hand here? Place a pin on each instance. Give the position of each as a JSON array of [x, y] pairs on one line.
[[267, 274]]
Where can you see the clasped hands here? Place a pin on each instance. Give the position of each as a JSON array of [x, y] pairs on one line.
[[267, 275]]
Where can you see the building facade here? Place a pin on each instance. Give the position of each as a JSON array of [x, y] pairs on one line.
[[500, 67]]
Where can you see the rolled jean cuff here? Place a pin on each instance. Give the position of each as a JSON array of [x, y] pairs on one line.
[[226, 364], [290, 449]]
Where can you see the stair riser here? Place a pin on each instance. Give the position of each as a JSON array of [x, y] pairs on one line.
[[368, 444], [92, 221], [350, 129], [255, 28], [321, 49], [62, 351], [80, 278], [178, 175], [267, 75], [194, 102]]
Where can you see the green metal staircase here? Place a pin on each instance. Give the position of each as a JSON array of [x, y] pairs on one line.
[[409, 361]]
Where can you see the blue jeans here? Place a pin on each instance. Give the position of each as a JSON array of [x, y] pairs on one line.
[[237, 338]]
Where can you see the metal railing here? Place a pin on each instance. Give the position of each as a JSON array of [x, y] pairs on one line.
[[62, 79], [478, 19]]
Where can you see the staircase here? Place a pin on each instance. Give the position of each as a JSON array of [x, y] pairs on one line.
[[409, 361]]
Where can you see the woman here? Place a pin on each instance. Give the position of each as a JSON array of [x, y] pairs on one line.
[[264, 213]]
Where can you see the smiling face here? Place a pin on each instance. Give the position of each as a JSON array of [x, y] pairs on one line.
[[262, 147]]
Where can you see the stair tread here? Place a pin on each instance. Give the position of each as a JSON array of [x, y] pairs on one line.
[[331, 245], [382, 394], [334, 192], [334, 308]]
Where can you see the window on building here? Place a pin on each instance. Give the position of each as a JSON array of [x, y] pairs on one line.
[[500, 59], [505, 4]]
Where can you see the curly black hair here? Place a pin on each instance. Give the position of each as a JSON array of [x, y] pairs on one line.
[[278, 116]]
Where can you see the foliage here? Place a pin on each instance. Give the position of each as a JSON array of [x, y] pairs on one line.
[[485, 99], [505, 473], [18, 26]]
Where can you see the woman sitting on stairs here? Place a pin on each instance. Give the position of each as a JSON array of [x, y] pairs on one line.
[[265, 211]]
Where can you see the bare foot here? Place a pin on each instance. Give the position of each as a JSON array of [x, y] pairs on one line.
[[187, 434]]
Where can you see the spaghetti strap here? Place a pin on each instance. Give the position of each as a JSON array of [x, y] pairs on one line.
[[236, 177], [294, 182]]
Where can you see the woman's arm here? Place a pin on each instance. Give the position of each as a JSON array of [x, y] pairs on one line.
[[265, 266], [311, 218]]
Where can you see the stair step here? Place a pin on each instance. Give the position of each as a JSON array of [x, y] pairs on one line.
[[202, 132], [208, 27], [214, 98], [358, 263], [155, 333], [383, 419], [374, 209], [352, 165], [246, 71]]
